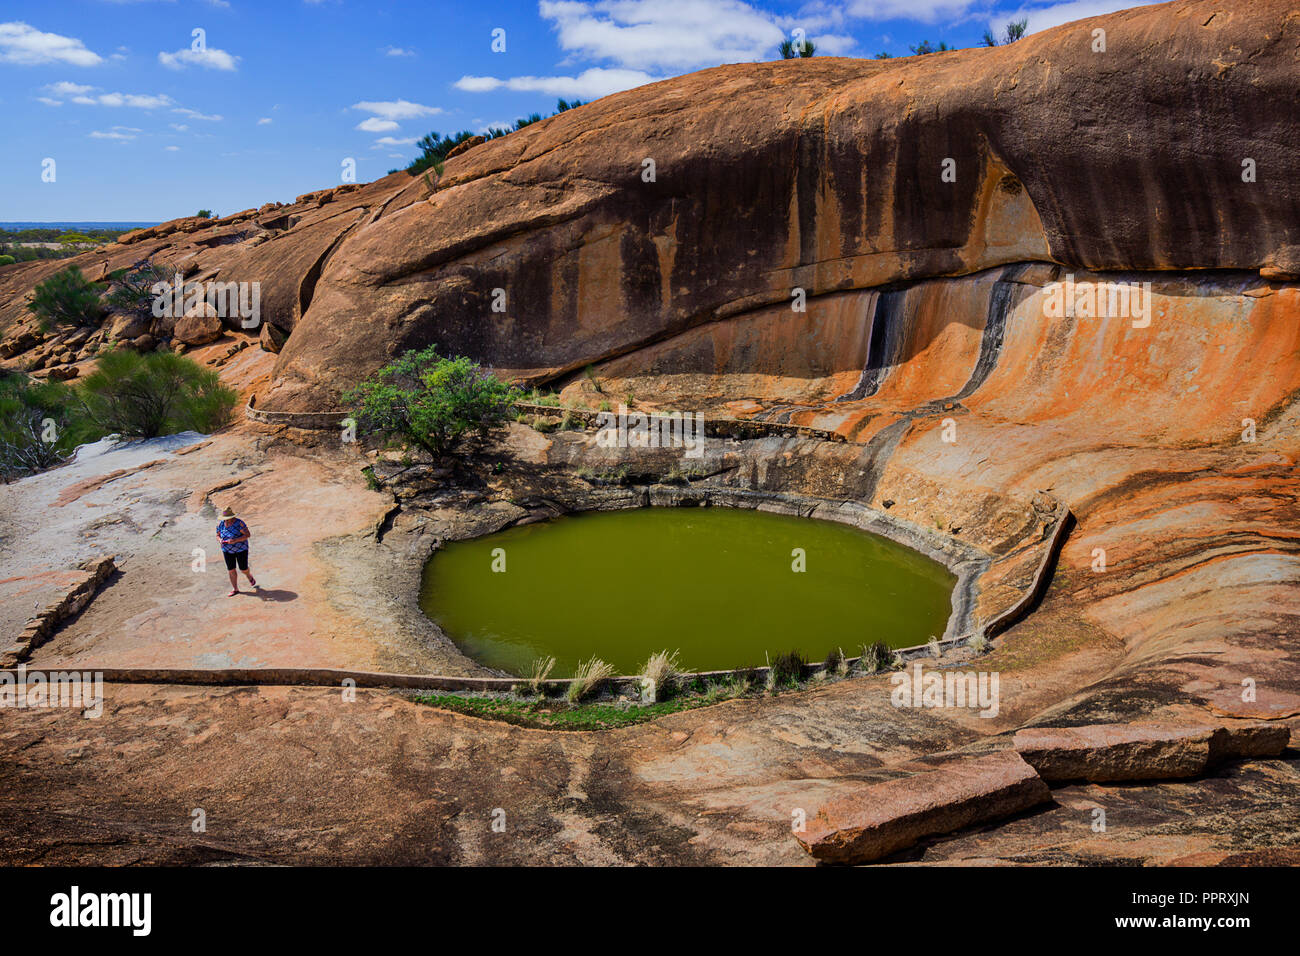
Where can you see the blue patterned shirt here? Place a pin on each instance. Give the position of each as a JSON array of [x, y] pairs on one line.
[[232, 529]]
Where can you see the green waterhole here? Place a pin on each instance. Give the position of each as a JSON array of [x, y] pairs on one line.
[[716, 584]]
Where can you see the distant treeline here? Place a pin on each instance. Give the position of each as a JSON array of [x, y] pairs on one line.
[[70, 243]]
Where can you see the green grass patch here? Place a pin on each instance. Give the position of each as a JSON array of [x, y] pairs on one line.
[[559, 715]]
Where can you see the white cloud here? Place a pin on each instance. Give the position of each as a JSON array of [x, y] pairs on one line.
[[833, 44], [264, 121], [85, 96], [64, 88], [1044, 18], [117, 132], [24, 44], [195, 114], [374, 124], [390, 141], [171, 149], [590, 84], [209, 57], [663, 34], [927, 11], [49, 102], [132, 99], [398, 51], [396, 109]]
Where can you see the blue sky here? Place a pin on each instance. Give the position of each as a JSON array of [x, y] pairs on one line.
[[145, 121]]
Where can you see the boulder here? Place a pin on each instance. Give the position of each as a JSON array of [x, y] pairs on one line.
[[200, 325], [271, 338], [18, 341], [128, 326], [466, 146], [879, 819], [63, 373], [1113, 752], [163, 327]]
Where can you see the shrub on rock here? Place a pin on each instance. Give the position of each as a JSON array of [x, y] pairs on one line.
[[431, 402], [144, 396], [66, 298], [38, 429]]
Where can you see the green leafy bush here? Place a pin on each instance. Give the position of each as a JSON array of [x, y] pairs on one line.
[[66, 298], [38, 425], [431, 402], [143, 396], [7, 260]]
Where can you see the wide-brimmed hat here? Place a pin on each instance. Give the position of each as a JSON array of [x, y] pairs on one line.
[[228, 513]]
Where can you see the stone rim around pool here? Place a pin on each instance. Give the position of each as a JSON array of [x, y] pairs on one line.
[[973, 610]]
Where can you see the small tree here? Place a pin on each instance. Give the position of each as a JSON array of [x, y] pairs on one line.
[[66, 298], [204, 214], [432, 402], [144, 396], [130, 289], [925, 46], [1015, 30], [790, 50]]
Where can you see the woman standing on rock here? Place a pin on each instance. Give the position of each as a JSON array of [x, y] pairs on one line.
[[233, 535]]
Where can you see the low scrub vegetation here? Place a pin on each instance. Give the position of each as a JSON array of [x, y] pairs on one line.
[[131, 395], [35, 425], [786, 670], [144, 396]]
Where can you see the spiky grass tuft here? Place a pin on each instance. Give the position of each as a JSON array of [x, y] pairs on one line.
[[588, 678], [542, 668], [876, 657], [664, 669]]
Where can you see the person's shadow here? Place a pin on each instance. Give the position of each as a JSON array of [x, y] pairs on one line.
[[274, 594]]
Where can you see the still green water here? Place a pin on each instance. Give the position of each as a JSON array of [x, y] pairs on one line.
[[717, 584]]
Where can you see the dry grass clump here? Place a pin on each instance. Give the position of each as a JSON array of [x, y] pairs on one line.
[[876, 657], [541, 670], [588, 677], [935, 649], [663, 668]]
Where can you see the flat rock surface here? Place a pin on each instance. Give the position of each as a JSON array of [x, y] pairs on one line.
[[883, 818]]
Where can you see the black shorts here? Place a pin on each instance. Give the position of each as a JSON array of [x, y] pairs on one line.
[[238, 556]]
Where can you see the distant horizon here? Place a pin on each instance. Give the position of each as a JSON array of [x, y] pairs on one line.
[[78, 223]]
